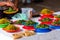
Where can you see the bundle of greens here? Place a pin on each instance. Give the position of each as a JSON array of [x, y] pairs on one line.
[[45, 11]]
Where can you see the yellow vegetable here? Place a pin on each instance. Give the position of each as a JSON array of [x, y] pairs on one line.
[[45, 11], [10, 27], [3, 20]]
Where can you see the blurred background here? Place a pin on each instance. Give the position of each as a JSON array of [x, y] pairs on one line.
[[40, 4], [37, 4]]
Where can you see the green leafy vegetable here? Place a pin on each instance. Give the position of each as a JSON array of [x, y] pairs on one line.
[[56, 22], [45, 19], [30, 22], [10, 9], [42, 26], [20, 21], [58, 16]]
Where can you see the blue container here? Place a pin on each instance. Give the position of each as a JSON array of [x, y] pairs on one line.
[[54, 27], [42, 30]]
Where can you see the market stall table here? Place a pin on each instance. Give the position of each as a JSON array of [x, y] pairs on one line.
[[53, 35]]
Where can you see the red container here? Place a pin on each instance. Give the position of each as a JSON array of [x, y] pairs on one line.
[[56, 24], [29, 27], [56, 18], [46, 16], [11, 31], [49, 16], [46, 22]]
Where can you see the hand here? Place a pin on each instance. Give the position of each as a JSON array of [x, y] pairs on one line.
[[2, 3], [15, 8], [8, 4], [11, 5]]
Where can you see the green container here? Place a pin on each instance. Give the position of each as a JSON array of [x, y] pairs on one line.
[[4, 25]]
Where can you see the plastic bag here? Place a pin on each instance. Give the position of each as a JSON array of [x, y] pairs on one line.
[[20, 16]]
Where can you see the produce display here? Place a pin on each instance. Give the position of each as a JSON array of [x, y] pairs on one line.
[[20, 21], [45, 16], [11, 28], [42, 26], [30, 22], [45, 19], [46, 12], [57, 17], [56, 22], [3, 21], [28, 27], [47, 23], [10, 11]]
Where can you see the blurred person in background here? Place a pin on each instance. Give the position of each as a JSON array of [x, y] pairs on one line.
[[4, 5], [26, 1]]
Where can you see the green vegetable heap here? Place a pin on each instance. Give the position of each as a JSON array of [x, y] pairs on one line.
[[42, 26], [58, 16], [10, 27], [10, 9], [46, 20], [20, 21], [30, 22], [56, 22]]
